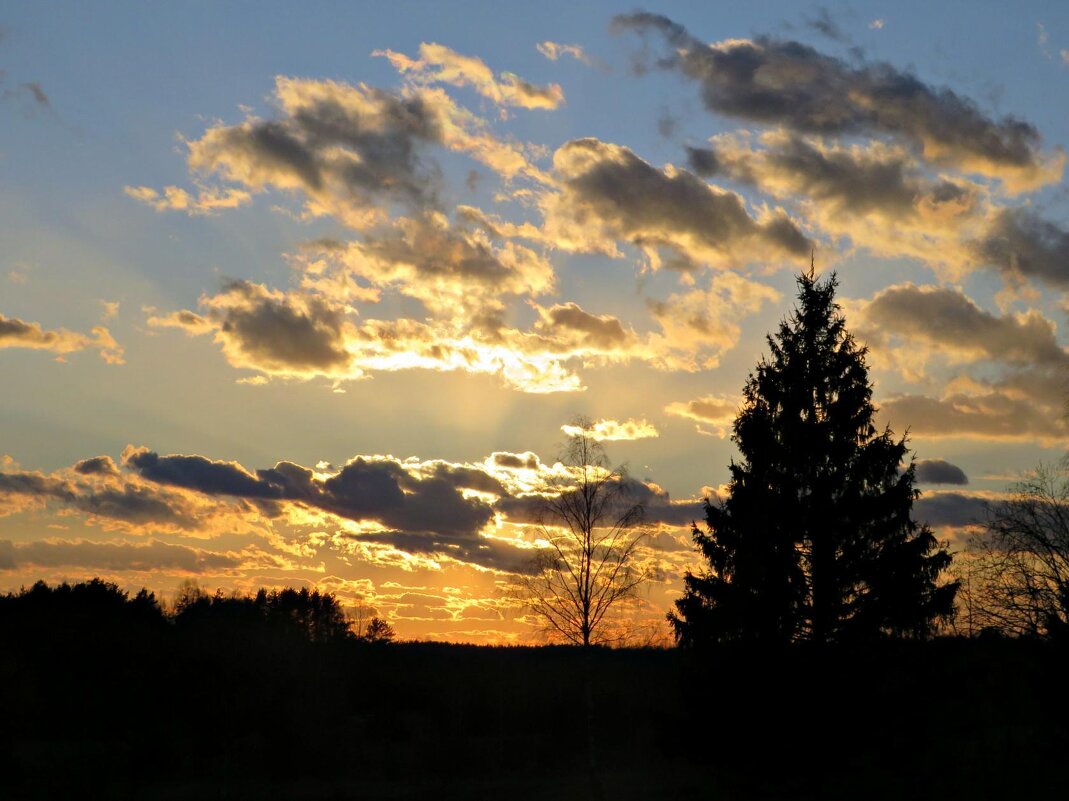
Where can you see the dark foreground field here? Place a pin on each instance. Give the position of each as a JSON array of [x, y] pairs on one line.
[[134, 706]]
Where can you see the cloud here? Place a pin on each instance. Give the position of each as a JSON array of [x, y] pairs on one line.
[[875, 194], [611, 430], [947, 321], [423, 508], [97, 465], [881, 198], [148, 556], [16, 333], [515, 461], [575, 328], [554, 50], [301, 336], [173, 198], [939, 471], [375, 489], [699, 325], [113, 500], [1023, 373], [37, 93], [1023, 244], [714, 410], [854, 180], [187, 321], [659, 508], [199, 473], [457, 270], [406, 514], [482, 551], [786, 83], [274, 332], [462, 275], [823, 23], [950, 509], [1000, 413], [608, 194], [346, 148], [439, 64], [29, 90]]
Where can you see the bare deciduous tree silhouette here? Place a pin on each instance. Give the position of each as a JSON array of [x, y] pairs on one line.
[[1018, 571], [593, 527]]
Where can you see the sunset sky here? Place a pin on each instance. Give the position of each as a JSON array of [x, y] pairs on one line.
[[304, 296]]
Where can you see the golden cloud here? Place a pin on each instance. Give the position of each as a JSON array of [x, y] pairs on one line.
[[439, 64], [612, 430], [16, 333]]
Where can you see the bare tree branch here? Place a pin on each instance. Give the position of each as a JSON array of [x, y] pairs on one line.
[[1018, 565], [593, 528]]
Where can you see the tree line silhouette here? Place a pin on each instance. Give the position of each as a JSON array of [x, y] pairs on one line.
[[820, 598], [108, 695]]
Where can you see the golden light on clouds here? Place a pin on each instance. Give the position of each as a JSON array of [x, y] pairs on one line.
[[429, 246], [612, 430]]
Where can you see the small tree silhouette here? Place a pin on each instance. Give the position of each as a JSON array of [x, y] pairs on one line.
[[379, 631], [593, 527]]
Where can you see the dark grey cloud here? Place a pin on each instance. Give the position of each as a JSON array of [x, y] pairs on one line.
[[954, 509], [36, 485], [201, 474], [97, 466], [994, 414], [359, 140], [385, 491], [362, 490], [14, 331], [464, 477], [939, 471], [1020, 242], [124, 501], [488, 553], [515, 461], [31, 90], [825, 24], [279, 332], [855, 181], [786, 83], [667, 124], [947, 319], [660, 508], [609, 186], [439, 251], [132, 504], [152, 555], [1027, 401], [37, 93], [570, 323], [702, 161], [657, 505]]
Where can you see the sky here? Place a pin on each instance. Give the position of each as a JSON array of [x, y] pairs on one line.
[[304, 296]]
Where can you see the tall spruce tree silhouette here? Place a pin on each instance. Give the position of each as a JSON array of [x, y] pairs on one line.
[[815, 541]]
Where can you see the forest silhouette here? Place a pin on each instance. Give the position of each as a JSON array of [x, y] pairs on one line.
[[820, 653], [107, 696]]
